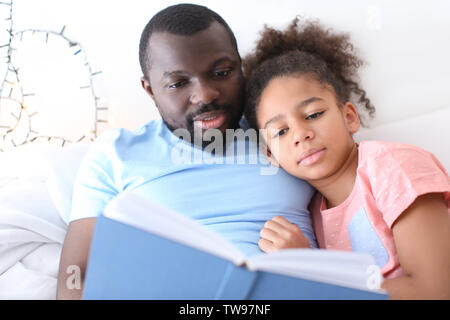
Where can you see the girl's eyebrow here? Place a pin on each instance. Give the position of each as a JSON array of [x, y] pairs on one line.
[[308, 101], [302, 104], [276, 118]]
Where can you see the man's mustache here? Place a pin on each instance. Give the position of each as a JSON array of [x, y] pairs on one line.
[[207, 108]]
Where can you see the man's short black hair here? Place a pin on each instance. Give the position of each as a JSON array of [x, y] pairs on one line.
[[181, 19]]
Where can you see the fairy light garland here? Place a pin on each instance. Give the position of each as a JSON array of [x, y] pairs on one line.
[[14, 72]]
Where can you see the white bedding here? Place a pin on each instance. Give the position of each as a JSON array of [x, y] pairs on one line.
[[31, 237], [35, 194]]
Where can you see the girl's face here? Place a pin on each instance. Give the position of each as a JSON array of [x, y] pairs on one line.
[[308, 134]]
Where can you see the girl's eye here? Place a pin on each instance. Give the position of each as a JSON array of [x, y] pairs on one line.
[[314, 115], [280, 133]]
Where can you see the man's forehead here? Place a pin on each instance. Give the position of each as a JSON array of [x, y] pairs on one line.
[[167, 49], [213, 31]]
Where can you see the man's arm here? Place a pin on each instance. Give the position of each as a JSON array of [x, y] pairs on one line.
[[74, 257]]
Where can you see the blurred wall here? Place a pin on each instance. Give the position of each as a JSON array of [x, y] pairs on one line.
[[406, 44]]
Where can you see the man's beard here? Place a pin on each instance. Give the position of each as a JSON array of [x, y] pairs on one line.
[[196, 134]]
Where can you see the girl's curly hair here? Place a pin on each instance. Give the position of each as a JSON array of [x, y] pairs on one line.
[[304, 48]]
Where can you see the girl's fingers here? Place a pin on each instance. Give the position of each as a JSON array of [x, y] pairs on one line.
[[266, 245], [279, 233], [268, 234], [275, 226], [282, 221]]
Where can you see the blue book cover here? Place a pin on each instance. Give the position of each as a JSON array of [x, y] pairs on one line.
[[129, 261]]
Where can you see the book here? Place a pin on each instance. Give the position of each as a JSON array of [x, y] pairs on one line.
[[141, 250]]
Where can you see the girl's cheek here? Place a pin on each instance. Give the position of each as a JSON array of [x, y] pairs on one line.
[[285, 154]]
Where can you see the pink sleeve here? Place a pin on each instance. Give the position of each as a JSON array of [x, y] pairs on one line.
[[399, 175]]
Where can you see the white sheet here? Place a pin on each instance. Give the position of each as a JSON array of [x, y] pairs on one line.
[[31, 237], [35, 195]]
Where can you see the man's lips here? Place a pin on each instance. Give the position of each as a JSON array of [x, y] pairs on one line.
[[210, 120], [311, 156]]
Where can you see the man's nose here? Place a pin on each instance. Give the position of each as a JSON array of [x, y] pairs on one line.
[[204, 92]]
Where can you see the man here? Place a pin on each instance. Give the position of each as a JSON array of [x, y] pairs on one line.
[[192, 71]]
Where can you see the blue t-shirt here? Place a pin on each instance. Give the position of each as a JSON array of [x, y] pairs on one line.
[[233, 192]]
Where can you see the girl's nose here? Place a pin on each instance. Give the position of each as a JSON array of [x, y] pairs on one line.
[[301, 135]]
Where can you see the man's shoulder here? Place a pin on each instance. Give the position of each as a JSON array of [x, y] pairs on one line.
[[116, 136], [120, 141]]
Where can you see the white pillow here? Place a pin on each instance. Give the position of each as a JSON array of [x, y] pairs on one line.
[[28, 161], [62, 176], [429, 131], [56, 165]]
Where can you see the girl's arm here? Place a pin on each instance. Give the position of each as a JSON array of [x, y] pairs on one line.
[[422, 238], [279, 233]]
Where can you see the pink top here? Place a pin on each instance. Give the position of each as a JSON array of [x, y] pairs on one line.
[[390, 176]]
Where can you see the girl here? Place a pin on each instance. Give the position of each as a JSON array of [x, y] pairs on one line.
[[387, 199]]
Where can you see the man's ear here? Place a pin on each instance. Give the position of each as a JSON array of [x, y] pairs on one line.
[[351, 117], [147, 87]]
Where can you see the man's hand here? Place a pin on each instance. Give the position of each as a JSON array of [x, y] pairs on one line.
[[74, 258], [279, 233]]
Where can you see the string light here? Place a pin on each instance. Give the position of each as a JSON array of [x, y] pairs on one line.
[[15, 83]]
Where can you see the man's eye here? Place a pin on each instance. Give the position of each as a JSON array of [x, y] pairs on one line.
[[222, 73], [315, 115], [177, 84]]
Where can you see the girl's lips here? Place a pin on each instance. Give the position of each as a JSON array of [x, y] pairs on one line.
[[213, 120], [311, 156]]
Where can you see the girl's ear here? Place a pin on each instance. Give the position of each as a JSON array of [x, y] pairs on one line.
[[351, 118], [273, 161]]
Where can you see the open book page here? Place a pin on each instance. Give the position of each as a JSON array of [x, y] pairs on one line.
[[347, 269], [144, 214]]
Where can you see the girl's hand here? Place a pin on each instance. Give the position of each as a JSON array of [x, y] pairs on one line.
[[279, 233]]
